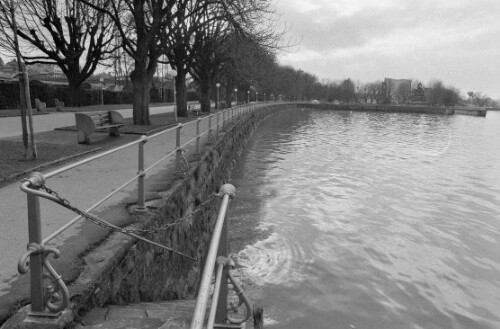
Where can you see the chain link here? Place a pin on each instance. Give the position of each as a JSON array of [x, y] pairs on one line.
[[102, 223], [91, 218], [186, 162]]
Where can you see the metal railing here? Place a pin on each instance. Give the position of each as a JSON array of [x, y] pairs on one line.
[[50, 300], [218, 255]]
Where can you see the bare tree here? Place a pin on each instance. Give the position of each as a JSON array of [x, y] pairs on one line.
[[179, 40], [9, 24], [403, 93], [141, 25], [210, 52], [66, 33]]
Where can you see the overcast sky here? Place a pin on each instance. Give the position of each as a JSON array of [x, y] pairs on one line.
[[456, 41]]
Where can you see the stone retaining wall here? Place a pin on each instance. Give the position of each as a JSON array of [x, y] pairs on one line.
[[397, 109], [380, 108]]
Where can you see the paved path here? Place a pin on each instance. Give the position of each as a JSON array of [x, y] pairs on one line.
[[11, 126], [82, 186]]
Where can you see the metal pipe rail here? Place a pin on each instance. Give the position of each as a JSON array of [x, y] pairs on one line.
[[227, 191]]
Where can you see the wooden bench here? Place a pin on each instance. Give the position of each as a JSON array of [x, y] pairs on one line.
[[89, 122], [59, 105], [40, 106], [194, 110]]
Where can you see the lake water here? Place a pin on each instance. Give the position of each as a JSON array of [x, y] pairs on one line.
[[372, 220]]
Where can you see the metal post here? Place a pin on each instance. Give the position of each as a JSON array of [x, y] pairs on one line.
[[210, 131], [223, 250], [198, 136], [217, 121], [178, 154], [218, 87], [223, 119], [36, 267], [141, 197]]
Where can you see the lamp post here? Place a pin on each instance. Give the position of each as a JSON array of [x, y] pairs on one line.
[[217, 104], [264, 97], [248, 96], [236, 95], [174, 74], [257, 96]]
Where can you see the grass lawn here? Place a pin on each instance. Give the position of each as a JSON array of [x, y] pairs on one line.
[[12, 161]]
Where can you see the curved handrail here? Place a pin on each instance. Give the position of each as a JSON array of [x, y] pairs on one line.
[[227, 191]]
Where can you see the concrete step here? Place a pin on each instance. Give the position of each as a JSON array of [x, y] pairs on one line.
[[160, 315], [164, 315]]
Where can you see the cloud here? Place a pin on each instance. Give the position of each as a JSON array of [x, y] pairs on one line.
[[365, 38]]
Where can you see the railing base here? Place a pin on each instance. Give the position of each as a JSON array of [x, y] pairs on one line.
[[35, 315], [25, 319], [140, 209], [227, 325], [47, 320]]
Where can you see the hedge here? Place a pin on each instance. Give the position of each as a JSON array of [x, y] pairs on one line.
[[9, 95]]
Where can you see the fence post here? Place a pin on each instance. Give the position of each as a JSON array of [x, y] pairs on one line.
[[217, 126], [198, 136], [141, 196], [36, 266], [178, 154], [210, 130], [224, 120]]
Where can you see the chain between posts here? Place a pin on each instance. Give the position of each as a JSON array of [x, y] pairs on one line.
[[186, 162], [132, 232]]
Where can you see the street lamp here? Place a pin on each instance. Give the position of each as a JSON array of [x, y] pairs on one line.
[[256, 96], [174, 74], [248, 96], [218, 86], [236, 95], [264, 97]]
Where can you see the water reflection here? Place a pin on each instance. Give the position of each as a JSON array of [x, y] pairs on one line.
[[372, 220]]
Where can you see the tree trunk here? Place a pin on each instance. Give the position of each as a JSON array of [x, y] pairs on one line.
[[205, 96], [22, 91], [140, 82], [74, 95], [181, 92], [34, 153]]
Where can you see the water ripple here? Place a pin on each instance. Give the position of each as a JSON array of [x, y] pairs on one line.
[[378, 220]]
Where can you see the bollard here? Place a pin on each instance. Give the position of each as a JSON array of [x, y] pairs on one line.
[[141, 196], [178, 153]]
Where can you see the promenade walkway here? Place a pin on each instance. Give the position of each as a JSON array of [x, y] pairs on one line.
[[82, 186]]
